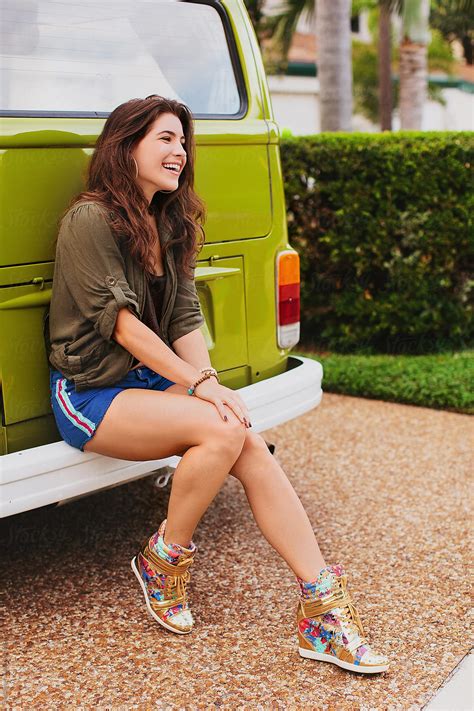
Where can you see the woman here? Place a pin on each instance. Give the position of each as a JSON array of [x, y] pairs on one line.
[[127, 352]]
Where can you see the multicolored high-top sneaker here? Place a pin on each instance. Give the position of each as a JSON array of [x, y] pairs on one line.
[[329, 627], [162, 571]]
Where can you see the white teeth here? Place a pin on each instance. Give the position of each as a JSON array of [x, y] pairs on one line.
[[173, 166]]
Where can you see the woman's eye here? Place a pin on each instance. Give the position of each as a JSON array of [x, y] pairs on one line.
[[167, 138]]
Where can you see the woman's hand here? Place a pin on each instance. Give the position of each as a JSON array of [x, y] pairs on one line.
[[219, 395]]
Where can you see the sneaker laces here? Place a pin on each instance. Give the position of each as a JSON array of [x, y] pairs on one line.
[[178, 576], [347, 612]]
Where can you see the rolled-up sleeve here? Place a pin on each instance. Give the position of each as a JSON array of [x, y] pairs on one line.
[[187, 315], [93, 268]]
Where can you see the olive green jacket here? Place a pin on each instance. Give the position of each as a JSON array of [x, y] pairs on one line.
[[94, 277]]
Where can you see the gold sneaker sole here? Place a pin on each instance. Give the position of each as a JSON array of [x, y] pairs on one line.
[[361, 668]]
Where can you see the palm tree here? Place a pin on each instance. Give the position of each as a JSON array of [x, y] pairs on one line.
[[413, 62], [333, 33], [331, 20]]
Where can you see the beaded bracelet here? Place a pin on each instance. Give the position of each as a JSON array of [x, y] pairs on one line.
[[211, 370], [194, 386]]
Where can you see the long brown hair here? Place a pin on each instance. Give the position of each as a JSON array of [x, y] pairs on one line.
[[111, 182]]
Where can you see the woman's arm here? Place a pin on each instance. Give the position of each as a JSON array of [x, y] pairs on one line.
[[147, 347], [192, 348]]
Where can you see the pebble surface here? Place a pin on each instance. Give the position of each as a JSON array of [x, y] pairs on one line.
[[386, 488]]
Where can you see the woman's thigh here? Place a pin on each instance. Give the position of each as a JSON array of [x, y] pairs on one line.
[[150, 424]]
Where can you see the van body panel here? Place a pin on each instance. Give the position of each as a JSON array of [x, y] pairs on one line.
[[233, 180], [28, 435], [222, 299], [38, 183], [81, 132], [24, 367], [257, 68], [37, 186], [37, 273]]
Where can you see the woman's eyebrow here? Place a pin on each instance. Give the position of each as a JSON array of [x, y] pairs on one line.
[[166, 131]]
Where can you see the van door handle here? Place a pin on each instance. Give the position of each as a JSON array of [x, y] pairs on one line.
[[210, 273]]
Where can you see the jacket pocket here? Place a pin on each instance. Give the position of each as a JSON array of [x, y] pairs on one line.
[[78, 363]]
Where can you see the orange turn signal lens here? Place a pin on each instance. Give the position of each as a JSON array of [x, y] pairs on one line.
[[288, 268]]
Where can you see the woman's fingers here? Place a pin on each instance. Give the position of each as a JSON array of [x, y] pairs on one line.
[[220, 409], [232, 400], [241, 414], [243, 406]]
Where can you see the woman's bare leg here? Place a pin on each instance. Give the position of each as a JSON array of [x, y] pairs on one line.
[[277, 510], [196, 481], [146, 424], [276, 507]]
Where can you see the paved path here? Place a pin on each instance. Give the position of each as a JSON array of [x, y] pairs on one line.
[[386, 488]]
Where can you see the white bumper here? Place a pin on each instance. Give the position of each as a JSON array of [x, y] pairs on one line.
[[57, 472]]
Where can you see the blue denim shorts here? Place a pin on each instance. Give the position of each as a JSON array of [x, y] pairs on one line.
[[78, 414]]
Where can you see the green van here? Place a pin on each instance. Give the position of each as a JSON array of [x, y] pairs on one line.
[[64, 68]]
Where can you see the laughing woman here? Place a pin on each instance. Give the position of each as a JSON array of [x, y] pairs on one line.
[[127, 353]]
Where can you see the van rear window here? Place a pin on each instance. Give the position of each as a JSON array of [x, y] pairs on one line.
[[89, 56]]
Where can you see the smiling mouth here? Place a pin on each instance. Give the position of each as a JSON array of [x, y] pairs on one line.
[[173, 170]]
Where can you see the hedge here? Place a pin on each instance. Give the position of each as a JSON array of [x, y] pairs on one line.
[[383, 226]]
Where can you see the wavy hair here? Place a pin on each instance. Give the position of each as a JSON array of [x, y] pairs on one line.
[[111, 182]]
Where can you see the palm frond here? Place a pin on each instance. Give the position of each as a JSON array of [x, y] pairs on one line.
[[282, 26]]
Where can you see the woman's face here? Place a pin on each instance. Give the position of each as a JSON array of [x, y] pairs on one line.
[[162, 146]]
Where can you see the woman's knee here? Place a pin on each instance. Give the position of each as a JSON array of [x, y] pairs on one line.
[[254, 447], [255, 441], [228, 437]]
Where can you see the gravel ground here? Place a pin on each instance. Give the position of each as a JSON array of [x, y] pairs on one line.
[[386, 488]]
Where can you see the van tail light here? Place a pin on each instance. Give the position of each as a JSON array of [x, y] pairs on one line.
[[288, 298]]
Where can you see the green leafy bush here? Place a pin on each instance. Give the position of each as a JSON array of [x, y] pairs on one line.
[[383, 225], [442, 381]]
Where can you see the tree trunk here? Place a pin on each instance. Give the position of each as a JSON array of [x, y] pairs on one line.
[[334, 60], [413, 62], [413, 84], [468, 48], [385, 68]]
